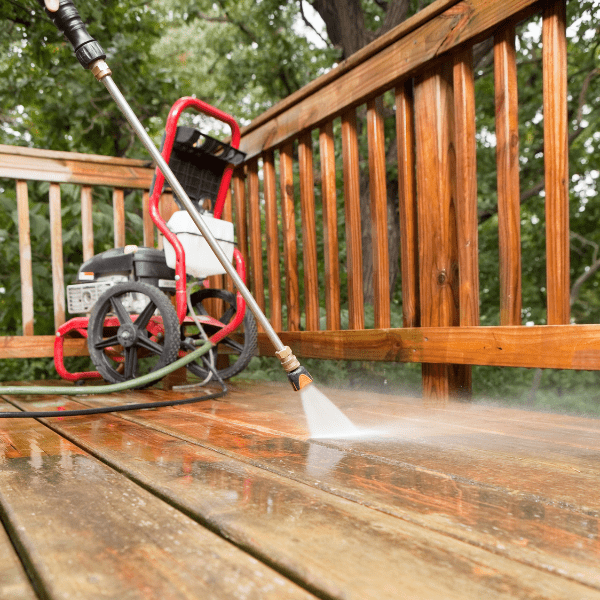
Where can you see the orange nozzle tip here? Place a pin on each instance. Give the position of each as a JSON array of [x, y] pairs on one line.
[[299, 378]]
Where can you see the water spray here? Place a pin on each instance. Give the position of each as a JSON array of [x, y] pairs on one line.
[[92, 57]]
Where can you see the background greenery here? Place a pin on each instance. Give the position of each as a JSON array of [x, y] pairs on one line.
[[244, 56]]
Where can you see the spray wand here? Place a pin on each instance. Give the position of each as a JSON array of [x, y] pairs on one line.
[[92, 57]]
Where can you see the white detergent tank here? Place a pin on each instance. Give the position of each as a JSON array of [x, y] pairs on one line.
[[200, 260]]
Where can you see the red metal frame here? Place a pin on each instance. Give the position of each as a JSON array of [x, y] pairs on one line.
[[80, 324]]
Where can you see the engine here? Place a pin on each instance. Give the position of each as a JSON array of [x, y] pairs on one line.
[[131, 263]]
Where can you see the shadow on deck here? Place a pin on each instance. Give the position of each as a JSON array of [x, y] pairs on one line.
[[230, 499]]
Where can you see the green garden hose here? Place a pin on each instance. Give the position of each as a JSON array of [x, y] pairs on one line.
[[13, 390]]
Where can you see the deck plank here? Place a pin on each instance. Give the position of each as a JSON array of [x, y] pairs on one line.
[[338, 547], [14, 583], [523, 507], [87, 531]]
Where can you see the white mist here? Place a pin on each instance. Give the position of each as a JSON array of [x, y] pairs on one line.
[[324, 418]]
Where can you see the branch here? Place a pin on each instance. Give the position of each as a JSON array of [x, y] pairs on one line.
[[205, 17], [309, 24], [238, 24], [530, 193], [582, 94], [395, 14], [591, 270]]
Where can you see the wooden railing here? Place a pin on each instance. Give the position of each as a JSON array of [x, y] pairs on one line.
[[426, 63], [23, 165]]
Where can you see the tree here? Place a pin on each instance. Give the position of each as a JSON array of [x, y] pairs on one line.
[[47, 100]]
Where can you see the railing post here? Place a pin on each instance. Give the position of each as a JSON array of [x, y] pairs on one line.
[[438, 249], [58, 276], [25, 258], [87, 222], [270, 189], [330, 233], [507, 159], [556, 161]]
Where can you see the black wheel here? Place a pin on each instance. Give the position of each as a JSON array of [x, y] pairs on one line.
[[241, 349], [133, 330]]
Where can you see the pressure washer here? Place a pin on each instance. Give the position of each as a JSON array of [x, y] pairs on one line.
[[144, 315]]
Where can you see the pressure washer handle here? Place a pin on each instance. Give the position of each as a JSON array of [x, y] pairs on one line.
[[68, 21]]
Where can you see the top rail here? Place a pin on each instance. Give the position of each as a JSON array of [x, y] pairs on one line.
[[31, 164], [421, 40]]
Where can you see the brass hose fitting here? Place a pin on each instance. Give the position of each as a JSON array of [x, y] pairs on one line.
[[299, 377]]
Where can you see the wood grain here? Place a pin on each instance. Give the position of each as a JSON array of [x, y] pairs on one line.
[[330, 227], [407, 202], [87, 222], [26, 267], [354, 265], [507, 161], [195, 456], [31, 164], [379, 220], [255, 235], [148, 225], [438, 248], [466, 188], [56, 248], [14, 583], [542, 346], [228, 216], [556, 160], [241, 214], [119, 217], [309, 232], [88, 531], [271, 218], [288, 223]]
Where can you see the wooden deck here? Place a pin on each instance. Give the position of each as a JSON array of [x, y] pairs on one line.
[[230, 499]]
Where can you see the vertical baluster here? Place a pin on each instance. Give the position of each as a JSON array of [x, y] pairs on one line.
[[438, 252], [356, 312], [270, 185], [330, 235], [409, 250], [241, 220], [119, 217], [556, 161], [507, 159], [379, 232], [309, 232], [58, 277], [87, 222], [466, 188], [166, 208], [147, 222], [228, 216], [255, 234], [289, 237], [25, 258]]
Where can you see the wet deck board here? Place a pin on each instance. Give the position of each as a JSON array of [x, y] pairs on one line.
[[84, 530], [452, 502]]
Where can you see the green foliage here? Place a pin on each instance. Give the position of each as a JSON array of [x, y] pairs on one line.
[[49, 101]]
